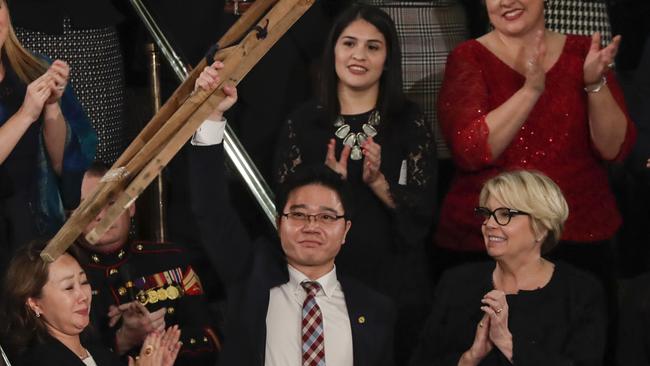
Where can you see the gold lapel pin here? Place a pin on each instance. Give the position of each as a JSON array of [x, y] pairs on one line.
[[361, 319]]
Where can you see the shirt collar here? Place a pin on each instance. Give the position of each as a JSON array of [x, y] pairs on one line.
[[328, 282]]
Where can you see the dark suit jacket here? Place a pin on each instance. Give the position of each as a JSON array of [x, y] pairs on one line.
[[54, 353], [250, 270]]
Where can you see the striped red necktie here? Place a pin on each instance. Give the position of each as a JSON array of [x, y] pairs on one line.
[[313, 340]]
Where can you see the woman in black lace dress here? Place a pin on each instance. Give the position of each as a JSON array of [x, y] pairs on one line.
[[362, 127]]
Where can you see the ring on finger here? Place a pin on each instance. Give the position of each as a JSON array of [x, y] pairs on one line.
[[499, 310], [148, 350]]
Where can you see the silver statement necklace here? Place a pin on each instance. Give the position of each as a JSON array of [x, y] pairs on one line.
[[356, 139]]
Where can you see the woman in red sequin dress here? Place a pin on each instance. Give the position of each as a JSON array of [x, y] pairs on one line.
[[525, 97]]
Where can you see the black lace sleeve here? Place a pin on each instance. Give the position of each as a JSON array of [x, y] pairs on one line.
[[288, 155], [414, 193]]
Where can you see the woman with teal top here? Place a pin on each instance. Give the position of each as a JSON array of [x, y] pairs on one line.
[[46, 143]]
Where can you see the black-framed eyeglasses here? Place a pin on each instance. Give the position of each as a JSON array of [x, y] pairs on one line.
[[502, 215], [319, 218]]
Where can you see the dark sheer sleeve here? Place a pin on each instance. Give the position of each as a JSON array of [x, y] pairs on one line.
[[462, 108], [414, 192], [288, 155]]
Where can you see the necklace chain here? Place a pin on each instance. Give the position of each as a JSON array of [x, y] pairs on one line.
[[356, 139]]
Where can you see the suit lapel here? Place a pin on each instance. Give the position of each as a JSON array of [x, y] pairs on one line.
[[357, 313], [269, 271], [63, 354]]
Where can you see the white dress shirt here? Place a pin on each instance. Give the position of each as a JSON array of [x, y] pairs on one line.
[[89, 361], [284, 322], [209, 133]]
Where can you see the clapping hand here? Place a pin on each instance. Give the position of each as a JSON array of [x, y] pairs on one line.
[[495, 306], [341, 165], [371, 161], [482, 344], [534, 61], [599, 60], [159, 348], [58, 73], [38, 92], [137, 323]]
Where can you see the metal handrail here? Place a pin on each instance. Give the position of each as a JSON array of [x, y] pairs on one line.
[[233, 147], [4, 357], [163, 44]]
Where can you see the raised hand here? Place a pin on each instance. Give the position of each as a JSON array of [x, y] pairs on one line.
[[341, 165], [496, 307], [534, 61], [209, 79], [371, 161], [59, 72], [599, 60]]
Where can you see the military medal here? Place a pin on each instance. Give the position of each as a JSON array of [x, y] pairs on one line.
[[152, 296], [172, 292], [162, 294], [142, 297]]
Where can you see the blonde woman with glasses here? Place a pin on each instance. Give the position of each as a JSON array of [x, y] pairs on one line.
[[521, 308]]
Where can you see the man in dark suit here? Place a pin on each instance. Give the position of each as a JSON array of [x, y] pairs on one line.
[[274, 287]]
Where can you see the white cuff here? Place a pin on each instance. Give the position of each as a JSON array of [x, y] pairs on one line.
[[209, 133]]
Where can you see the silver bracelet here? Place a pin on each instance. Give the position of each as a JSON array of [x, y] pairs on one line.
[[595, 88]]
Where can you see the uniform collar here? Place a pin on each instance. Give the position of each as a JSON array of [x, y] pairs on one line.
[[106, 259]]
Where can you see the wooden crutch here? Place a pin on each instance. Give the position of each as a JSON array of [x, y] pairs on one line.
[[157, 144]]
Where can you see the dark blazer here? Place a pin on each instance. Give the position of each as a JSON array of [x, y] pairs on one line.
[[250, 269], [561, 324], [55, 353]]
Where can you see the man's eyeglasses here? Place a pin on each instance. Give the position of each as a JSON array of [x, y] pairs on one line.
[[319, 218], [502, 215]]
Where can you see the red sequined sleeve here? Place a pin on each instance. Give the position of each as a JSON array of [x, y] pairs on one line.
[[630, 132], [462, 107]]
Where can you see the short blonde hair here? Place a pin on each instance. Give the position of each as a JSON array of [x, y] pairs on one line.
[[534, 193]]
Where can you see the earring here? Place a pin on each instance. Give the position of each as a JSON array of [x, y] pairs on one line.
[[38, 315]]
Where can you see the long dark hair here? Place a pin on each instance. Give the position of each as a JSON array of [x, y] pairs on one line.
[[391, 97]]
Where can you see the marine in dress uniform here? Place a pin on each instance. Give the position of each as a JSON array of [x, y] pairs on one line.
[[158, 275]]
